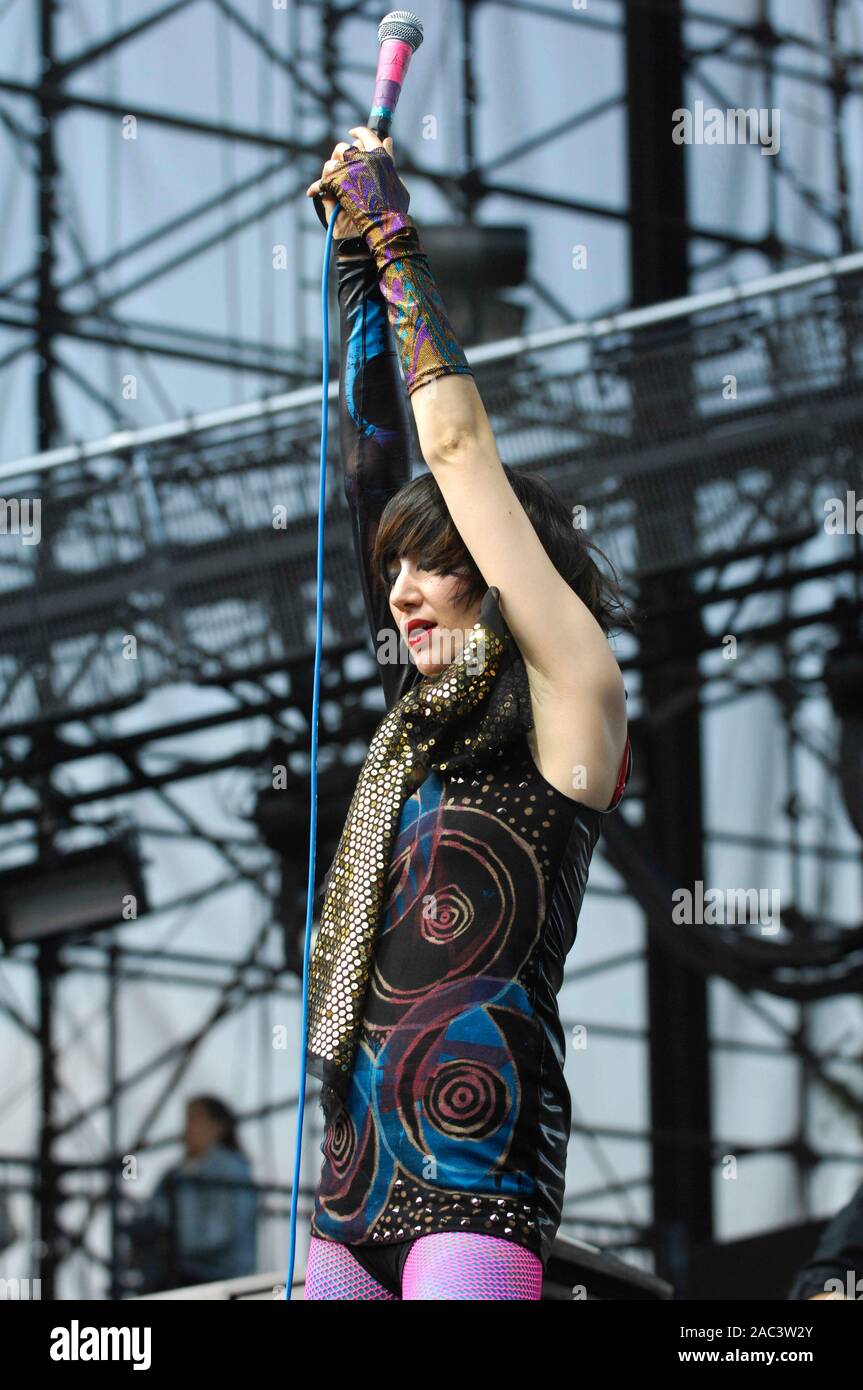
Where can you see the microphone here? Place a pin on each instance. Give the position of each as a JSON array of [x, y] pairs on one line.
[[400, 34]]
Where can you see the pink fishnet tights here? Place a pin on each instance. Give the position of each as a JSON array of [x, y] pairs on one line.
[[449, 1265]]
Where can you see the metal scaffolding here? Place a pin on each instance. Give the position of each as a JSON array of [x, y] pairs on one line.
[[701, 431]]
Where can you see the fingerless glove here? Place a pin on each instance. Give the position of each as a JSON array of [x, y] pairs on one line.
[[369, 189]]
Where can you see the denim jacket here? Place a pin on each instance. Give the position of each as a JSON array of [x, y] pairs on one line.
[[201, 1219]]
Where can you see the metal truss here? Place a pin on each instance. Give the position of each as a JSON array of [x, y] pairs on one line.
[[313, 55], [168, 532]]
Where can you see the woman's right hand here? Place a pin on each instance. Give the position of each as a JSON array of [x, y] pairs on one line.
[[345, 225]]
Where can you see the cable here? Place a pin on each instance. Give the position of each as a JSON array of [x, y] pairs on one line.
[[316, 686]]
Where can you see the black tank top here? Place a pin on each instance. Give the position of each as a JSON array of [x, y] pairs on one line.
[[458, 1113]]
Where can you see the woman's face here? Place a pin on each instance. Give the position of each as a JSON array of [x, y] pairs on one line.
[[201, 1129], [421, 596]]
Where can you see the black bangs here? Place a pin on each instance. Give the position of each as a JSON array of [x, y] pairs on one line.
[[420, 534], [415, 523], [433, 553]]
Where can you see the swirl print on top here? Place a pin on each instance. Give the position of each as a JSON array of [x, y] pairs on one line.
[[457, 1117]]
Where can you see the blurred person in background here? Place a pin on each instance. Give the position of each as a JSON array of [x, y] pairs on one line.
[[836, 1267], [200, 1223]]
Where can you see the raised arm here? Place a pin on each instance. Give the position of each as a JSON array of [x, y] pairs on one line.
[[576, 684], [374, 431]]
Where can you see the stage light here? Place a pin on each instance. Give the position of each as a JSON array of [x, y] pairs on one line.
[[84, 891]]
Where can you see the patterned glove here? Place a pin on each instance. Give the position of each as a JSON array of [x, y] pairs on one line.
[[370, 190]]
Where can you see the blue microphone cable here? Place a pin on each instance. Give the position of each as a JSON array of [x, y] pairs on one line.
[[316, 687]]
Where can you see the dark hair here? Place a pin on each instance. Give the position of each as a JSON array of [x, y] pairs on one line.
[[222, 1114], [416, 523]]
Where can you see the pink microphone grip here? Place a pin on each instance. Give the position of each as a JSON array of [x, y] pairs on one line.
[[393, 60]]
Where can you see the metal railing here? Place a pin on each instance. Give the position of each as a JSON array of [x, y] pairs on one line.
[[688, 431]]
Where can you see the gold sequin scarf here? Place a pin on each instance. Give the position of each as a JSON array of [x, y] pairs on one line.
[[457, 719]]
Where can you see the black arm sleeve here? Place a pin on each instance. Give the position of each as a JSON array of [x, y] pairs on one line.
[[375, 441], [839, 1251]]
